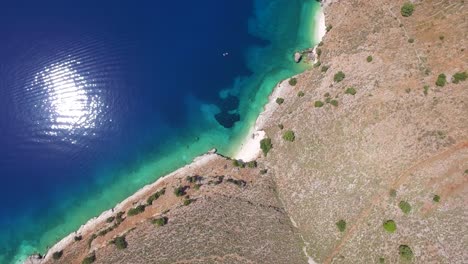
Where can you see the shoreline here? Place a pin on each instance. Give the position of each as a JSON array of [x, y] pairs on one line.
[[248, 151], [250, 147]]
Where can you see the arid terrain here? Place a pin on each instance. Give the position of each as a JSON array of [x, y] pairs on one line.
[[380, 143]]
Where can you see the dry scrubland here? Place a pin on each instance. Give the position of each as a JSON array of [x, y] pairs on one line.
[[400, 137]]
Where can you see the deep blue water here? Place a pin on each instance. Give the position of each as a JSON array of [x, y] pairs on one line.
[[92, 90]]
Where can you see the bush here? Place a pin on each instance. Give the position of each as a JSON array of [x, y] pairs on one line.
[[300, 94], [252, 164], [78, 238], [318, 104], [187, 202], [411, 40], [426, 89], [436, 198], [197, 187], [407, 9], [351, 91], [441, 37], [441, 80], [160, 221], [238, 163], [89, 259], [389, 226], [292, 81], [279, 100], [393, 193], [57, 254], [265, 145], [329, 27], [263, 171], [381, 260], [317, 64], [369, 59], [319, 52], [341, 225], [325, 68], [405, 207], [339, 76], [179, 191], [110, 219], [327, 94], [289, 136], [136, 210], [280, 126], [334, 103], [120, 242], [405, 252], [459, 76]]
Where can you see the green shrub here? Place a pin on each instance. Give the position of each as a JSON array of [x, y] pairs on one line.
[[405, 207], [292, 81], [318, 104], [317, 64], [78, 238], [334, 102], [91, 239], [393, 193], [89, 259], [407, 9], [389, 226], [319, 52], [187, 202], [197, 187], [252, 164], [369, 59], [160, 221], [441, 37], [327, 94], [426, 89], [436, 198], [279, 100], [328, 100], [265, 145], [110, 219], [289, 136], [441, 80], [57, 254], [459, 77], [263, 171], [411, 40], [351, 91], [300, 94], [179, 191], [280, 126], [120, 242], [329, 27], [320, 44], [238, 163], [381, 260], [341, 225], [405, 252], [136, 210], [325, 68], [339, 76]]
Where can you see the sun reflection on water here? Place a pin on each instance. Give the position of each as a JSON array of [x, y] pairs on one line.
[[71, 102]]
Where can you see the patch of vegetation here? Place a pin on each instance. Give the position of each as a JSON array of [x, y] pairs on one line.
[[405, 207], [459, 77], [327, 94], [381, 260], [162, 221], [408, 90], [407, 9], [289, 136], [90, 241], [341, 225], [110, 219], [318, 104], [441, 37], [405, 252], [187, 201], [328, 100], [389, 226], [319, 52], [351, 91], [180, 191], [238, 163], [279, 100], [369, 58], [334, 103], [436, 198], [392, 193], [263, 171], [57, 254], [280, 126], [78, 238], [240, 183], [441, 80], [411, 40], [426, 89], [339, 76], [252, 164], [136, 210], [194, 179], [292, 81], [89, 259], [197, 187], [265, 145], [118, 218], [324, 68], [317, 64], [300, 94], [120, 242], [104, 231], [328, 28]]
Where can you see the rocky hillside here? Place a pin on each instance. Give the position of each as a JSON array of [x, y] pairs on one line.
[[369, 160]]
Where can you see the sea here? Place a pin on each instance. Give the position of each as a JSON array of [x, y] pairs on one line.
[[99, 98]]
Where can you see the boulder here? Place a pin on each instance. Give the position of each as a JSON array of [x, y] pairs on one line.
[[297, 57]]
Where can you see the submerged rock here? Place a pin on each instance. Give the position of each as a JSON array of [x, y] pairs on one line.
[[297, 57], [34, 259]]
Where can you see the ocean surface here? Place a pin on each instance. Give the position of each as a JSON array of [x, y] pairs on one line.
[[99, 98]]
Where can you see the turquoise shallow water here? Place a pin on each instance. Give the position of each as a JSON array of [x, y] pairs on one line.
[[283, 26]]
